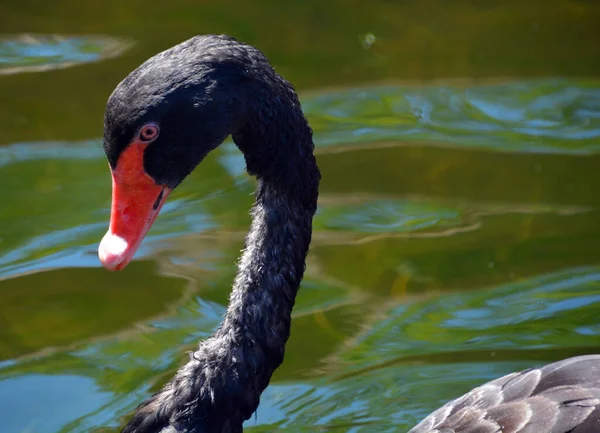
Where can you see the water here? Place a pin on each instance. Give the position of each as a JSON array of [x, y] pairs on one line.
[[457, 238]]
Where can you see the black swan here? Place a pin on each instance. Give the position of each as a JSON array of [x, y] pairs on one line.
[[160, 122]]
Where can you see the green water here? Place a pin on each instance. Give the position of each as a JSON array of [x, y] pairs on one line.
[[458, 232]]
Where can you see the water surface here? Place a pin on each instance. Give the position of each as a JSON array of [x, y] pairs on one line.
[[457, 237]]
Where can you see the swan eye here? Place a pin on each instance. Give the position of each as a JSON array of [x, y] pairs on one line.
[[149, 133]]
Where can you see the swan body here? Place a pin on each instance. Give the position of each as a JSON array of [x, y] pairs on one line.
[[160, 123], [563, 397]]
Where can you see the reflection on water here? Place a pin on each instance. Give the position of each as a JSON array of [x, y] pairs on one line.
[[561, 116], [32, 53], [457, 239], [386, 216], [59, 397]]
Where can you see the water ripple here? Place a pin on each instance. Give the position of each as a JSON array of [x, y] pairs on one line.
[[35, 53], [549, 115]]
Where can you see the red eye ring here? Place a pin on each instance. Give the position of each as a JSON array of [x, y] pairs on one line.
[[149, 133]]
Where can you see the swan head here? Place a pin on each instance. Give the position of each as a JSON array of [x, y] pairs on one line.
[[160, 123]]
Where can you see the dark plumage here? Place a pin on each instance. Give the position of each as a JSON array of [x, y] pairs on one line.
[[200, 92], [196, 94], [563, 397]]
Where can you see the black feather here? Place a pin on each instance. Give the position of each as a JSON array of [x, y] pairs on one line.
[[199, 92]]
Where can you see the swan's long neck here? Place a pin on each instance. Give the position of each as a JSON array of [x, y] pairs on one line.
[[235, 365], [257, 324]]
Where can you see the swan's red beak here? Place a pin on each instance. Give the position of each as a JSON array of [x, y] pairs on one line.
[[136, 202]]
